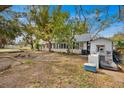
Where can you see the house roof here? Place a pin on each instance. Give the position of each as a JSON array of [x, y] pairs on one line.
[[83, 37], [102, 38]]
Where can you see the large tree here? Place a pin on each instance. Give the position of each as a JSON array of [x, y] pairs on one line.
[[36, 24], [42, 20], [67, 27], [9, 29]]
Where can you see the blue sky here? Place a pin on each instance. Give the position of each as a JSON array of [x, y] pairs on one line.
[[108, 32]]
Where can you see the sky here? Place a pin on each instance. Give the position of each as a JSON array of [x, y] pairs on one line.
[[108, 32]]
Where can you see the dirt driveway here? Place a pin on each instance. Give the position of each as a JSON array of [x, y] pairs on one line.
[[43, 69]]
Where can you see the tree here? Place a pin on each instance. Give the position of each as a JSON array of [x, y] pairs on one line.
[[28, 33], [39, 19], [28, 29], [97, 19], [43, 22], [66, 28], [118, 39], [8, 29]]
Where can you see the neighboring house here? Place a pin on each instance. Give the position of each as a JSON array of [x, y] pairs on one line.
[[81, 41], [85, 40]]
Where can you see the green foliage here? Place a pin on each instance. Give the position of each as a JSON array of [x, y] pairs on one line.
[[118, 39], [120, 44], [39, 16], [9, 29], [65, 29]]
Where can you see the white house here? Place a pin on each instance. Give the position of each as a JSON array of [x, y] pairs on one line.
[[101, 53], [101, 45], [81, 42]]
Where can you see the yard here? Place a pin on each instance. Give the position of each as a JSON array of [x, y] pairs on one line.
[[44, 69]]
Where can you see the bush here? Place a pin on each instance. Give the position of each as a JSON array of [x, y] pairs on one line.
[[120, 43]]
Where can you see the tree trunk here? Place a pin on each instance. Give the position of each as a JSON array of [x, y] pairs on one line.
[[3, 42], [68, 50], [49, 46], [32, 46], [0, 44]]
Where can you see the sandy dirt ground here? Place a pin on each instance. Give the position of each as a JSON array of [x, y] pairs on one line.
[[44, 69]]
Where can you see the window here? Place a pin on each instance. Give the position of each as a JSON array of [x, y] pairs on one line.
[[57, 45], [60, 46], [64, 46], [75, 45], [100, 48]]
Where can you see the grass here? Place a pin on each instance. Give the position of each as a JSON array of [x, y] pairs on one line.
[[25, 48], [85, 81], [28, 61], [67, 73]]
